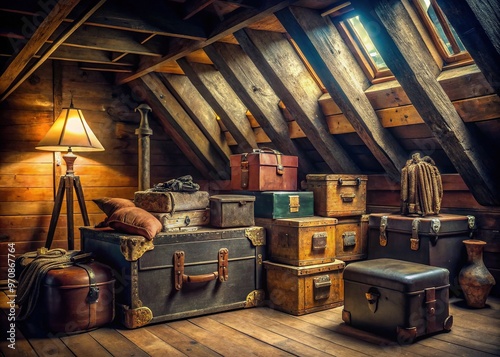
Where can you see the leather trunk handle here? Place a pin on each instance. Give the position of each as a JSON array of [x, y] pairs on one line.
[[181, 278]]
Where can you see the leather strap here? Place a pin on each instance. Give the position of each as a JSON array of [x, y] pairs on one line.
[[92, 296], [244, 170]]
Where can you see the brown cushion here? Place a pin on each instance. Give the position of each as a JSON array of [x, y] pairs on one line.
[[135, 220], [109, 205]]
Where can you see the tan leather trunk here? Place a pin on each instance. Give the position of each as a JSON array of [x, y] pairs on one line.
[[167, 202], [264, 170], [183, 220], [351, 238], [232, 211], [338, 195], [302, 290], [300, 241]]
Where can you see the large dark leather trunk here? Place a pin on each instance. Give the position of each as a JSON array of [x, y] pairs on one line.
[[401, 300], [69, 303], [433, 240], [181, 274]]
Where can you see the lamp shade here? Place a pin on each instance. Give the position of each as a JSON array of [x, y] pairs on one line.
[[70, 132]]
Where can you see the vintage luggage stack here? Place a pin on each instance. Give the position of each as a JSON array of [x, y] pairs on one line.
[[264, 170], [344, 198], [302, 274], [176, 210], [434, 240], [181, 274], [398, 299]]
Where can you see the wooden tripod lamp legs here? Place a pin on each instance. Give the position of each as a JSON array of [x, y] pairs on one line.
[[66, 184]]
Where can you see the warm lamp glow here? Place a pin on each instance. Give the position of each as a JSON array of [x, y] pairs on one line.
[[70, 132]]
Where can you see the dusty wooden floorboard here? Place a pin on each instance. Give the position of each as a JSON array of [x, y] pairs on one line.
[[183, 343], [261, 332]]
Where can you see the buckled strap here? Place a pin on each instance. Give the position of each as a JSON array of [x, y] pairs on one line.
[[383, 234], [430, 310], [415, 240], [244, 170], [93, 295]]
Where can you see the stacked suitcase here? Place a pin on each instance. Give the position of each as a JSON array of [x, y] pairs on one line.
[[207, 258], [344, 198], [303, 272]]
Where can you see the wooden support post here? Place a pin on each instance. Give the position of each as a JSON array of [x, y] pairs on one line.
[[143, 133]]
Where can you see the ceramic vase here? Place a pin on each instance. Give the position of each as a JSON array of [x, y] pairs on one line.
[[474, 278]]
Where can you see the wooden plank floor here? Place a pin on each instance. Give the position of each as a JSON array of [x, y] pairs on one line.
[[263, 332]]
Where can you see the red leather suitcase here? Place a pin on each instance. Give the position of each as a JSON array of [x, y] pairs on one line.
[[264, 170]]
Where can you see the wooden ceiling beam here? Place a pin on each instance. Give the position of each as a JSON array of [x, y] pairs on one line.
[[110, 40], [227, 27], [333, 62], [162, 101], [122, 18], [477, 25], [258, 96], [49, 25], [224, 101], [198, 109], [280, 64], [9, 83], [403, 50]]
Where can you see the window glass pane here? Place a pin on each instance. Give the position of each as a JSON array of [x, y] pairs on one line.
[[431, 13], [367, 43]]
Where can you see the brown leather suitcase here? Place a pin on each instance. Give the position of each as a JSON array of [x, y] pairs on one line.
[[395, 298], [232, 211], [300, 241], [302, 290], [264, 170], [77, 298], [351, 238], [338, 195]]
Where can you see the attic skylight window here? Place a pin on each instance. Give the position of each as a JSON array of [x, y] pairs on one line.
[[367, 43], [442, 33], [362, 47]]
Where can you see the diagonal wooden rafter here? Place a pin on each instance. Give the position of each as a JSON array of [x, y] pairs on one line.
[[193, 139], [477, 25], [120, 17], [49, 24], [286, 73], [198, 109], [404, 52], [9, 81], [221, 97], [182, 48], [258, 96], [325, 50]]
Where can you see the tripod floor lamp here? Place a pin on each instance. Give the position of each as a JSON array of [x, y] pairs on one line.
[[71, 133]]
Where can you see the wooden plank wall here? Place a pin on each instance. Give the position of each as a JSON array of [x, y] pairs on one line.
[[27, 175]]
